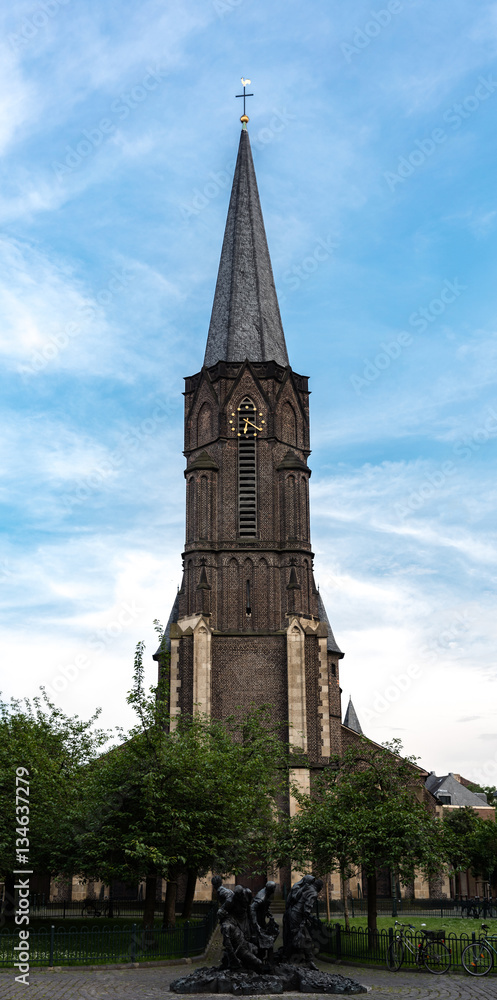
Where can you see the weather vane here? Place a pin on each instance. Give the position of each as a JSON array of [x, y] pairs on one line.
[[244, 118]]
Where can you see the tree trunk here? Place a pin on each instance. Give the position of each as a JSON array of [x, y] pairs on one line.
[[9, 898], [189, 894], [150, 892], [372, 925], [343, 884], [169, 918]]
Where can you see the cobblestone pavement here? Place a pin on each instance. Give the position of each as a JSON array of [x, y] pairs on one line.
[[153, 983]]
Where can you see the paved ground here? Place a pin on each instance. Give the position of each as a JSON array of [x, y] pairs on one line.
[[153, 984]]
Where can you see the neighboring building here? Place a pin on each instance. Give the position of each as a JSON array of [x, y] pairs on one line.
[[450, 792]]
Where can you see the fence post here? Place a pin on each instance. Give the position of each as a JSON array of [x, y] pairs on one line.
[[338, 940], [133, 943], [52, 942], [186, 928]]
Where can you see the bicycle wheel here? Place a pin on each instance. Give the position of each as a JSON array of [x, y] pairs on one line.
[[395, 956], [436, 957], [477, 959]]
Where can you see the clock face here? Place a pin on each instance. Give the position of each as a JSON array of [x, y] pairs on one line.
[[246, 421]]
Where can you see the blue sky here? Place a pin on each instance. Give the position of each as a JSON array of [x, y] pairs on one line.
[[374, 141]]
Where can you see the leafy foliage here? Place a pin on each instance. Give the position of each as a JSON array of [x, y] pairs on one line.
[[364, 812], [471, 843], [54, 748], [187, 794]]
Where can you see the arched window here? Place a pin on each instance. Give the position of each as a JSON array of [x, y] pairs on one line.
[[189, 587], [190, 510], [304, 506], [308, 585], [264, 596], [233, 595], [203, 508], [247, 471], [289, 424], [204, 424], [249, 597], [291, 507]]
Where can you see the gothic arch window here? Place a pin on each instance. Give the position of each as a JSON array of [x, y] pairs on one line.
[[203, 507], [291, 507], [248, 590], [189, 586], [307, 584], [233, 595], [247, 469], [304, 506], [190, 511], [204, 424], [289, 424], [263, 596]]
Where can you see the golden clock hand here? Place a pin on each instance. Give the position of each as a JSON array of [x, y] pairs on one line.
[[247, 421]]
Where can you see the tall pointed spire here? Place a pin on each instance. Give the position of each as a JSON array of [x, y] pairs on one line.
[[351, 720], [245, 321]]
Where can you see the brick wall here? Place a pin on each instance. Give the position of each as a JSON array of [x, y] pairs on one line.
[[248, 670]]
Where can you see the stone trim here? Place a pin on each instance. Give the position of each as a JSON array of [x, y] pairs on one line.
[[174, 685], [202, 667], [297, 709], [324, 698]]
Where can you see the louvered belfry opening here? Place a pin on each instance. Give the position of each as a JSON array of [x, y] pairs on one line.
[[247, 481]]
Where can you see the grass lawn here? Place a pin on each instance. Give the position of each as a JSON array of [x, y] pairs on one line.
[[456, 925], [98, 923]]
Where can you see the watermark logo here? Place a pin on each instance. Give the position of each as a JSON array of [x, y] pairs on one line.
[[364, 36], [420, 320], [455, 116], [121, 108], [433, 481]]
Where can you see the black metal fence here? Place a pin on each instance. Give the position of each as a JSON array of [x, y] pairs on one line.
[[43, 909], [94, 945], [359, 946], [482, 908]]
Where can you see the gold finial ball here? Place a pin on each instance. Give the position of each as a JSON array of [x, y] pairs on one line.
[[244, 119]]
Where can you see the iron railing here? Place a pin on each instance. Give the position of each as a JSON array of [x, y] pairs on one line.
[[444, 907], [359, 946], [42, 908], [94, 945]]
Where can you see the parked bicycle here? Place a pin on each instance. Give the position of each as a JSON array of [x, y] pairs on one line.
[[478, 958], [431, 951]]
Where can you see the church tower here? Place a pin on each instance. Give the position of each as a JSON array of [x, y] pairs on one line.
[[248, 625]]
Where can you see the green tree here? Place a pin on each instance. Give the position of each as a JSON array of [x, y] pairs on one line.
[[52, 748], [364, 811], [459, 830], [484, 851], [192, 798], [321, 835], [471, 843]]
